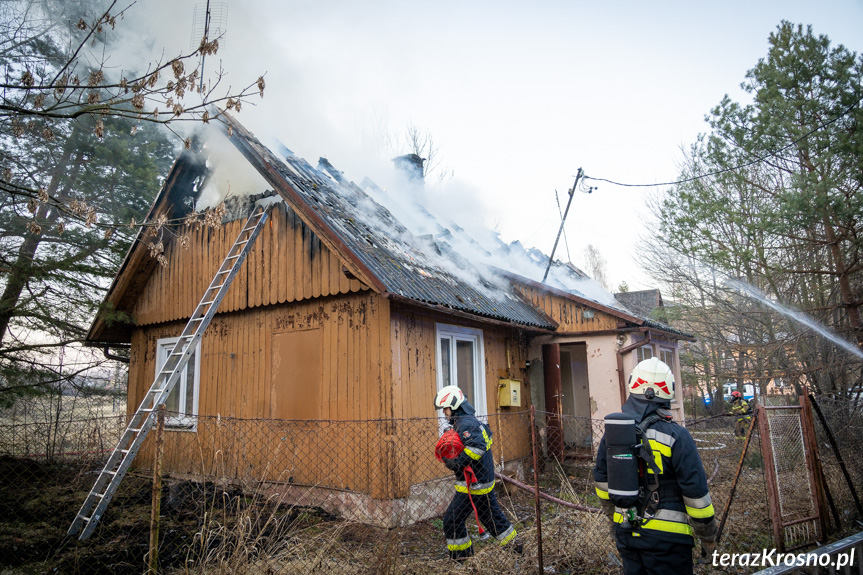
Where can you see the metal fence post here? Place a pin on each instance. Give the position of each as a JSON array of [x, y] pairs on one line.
[[153, 561], [770, 474], [536, 487], [835, 446], [737, 476], [807, 427]]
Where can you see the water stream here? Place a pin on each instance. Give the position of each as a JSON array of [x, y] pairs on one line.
[[795, 315]]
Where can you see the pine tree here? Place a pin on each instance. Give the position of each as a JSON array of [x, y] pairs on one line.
[[70, 187], [776, 203]]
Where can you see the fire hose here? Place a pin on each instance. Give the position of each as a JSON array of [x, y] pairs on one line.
[[450, 446], [546, 496]]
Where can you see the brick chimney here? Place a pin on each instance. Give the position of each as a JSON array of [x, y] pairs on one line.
[[411, 165]]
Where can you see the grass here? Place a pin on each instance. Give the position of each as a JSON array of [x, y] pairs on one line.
[[209, 527]]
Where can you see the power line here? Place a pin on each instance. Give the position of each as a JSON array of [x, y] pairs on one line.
[[757, 160]]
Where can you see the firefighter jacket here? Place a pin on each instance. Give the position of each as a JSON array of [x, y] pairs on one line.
[[741, 408], [476, 437], [681, 505]]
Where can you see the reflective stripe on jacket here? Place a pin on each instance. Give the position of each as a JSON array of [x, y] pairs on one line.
[[684, 499], [741, 408], [477, 439]]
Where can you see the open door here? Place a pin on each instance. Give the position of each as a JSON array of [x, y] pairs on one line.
[[576, 396]]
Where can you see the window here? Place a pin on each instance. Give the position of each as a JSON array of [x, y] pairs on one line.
[[666, 356], [644, 352], [461, 361], [182, 403]]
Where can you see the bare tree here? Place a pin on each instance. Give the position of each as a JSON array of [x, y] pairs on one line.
[[82, 150], [421, 142], [596, 265], [55, 70]]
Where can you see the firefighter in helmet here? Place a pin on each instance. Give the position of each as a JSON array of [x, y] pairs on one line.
[[741, 408], [655, 534], [476, 488]]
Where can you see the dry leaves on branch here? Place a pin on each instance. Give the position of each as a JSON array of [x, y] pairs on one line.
[[213, 218], [178, 67]]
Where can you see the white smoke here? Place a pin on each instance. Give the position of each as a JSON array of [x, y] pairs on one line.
[[449, 218], [231, 174]]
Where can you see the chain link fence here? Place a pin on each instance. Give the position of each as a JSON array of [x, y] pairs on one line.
[[268, 496]]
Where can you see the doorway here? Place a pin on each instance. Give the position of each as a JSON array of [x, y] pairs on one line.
[[575, 403]]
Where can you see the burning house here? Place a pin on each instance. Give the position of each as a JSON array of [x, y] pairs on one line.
[[341, 313]]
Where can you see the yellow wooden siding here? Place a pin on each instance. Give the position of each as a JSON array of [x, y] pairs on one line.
[[287, 263], [413, 344], [569, 314], [236, 381]]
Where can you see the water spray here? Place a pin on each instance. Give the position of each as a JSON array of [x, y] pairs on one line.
[[793, 314]]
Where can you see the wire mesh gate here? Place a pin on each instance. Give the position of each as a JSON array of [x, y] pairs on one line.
[[793, 482]]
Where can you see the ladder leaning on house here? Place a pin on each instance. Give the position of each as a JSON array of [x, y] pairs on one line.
[[141, 422]]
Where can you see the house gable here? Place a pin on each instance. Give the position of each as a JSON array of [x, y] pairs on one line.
[[574, 314], [138, 264], [287, 263]]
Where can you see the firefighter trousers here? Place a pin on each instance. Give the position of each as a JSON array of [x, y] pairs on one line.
[[647, 556], [490, 515]]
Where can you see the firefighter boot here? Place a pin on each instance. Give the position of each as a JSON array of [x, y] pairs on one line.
[[515, 546]]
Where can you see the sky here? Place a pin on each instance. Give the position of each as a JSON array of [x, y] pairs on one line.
[[516, 95]]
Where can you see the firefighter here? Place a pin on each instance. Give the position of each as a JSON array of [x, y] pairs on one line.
[[476, 454], [741, 408], [655, 535]]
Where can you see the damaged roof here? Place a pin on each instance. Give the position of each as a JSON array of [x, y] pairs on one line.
[[372, 244], [388, 256]]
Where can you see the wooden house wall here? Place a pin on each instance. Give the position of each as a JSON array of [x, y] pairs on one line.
[[568, 313], [377, 368], [414, 372], [239, 379], [287, 263]]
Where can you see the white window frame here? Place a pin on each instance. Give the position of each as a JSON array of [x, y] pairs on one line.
[[639, 353], [678, 386], [670, 351], [455, 333], [184, 421]]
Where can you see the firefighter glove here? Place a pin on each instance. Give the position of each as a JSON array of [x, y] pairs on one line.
[[451, 464], [706, 531]]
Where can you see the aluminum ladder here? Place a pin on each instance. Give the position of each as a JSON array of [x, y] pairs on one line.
[[121, 458]]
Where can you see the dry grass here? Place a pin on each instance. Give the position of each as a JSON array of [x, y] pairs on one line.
[[233, 524]]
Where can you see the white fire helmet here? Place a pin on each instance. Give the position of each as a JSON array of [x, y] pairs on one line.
[[652, 378], [450, 396]]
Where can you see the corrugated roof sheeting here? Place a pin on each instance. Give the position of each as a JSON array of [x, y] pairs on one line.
[[389, 251]]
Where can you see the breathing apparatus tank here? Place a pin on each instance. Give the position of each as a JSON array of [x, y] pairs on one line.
[[621, 445]]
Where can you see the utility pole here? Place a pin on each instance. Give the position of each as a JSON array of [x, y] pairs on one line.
[[560, 213], [562, 221]]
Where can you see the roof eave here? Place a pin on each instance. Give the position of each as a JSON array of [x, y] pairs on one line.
[[467, 315], [584, 301]]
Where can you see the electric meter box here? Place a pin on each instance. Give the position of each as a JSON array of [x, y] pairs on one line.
[[509, 393]]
